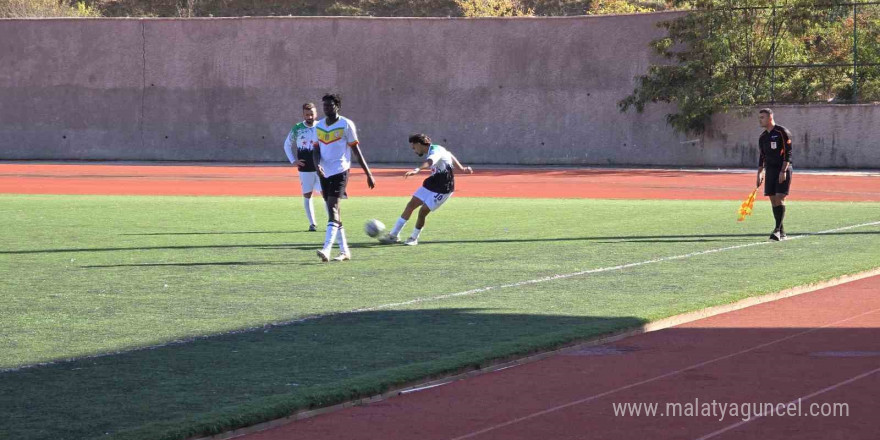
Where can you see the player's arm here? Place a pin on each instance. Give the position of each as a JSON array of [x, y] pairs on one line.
[[356, 150], [288, 148], [351, 139], [786, 162], [761, 160], [316, 155], [458, 165], [425, 165]]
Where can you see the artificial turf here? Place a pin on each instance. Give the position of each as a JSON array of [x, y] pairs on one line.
[[99, 275]]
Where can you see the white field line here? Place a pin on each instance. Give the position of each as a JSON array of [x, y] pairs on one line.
[[452, 295], [799, 399], [594, 271]]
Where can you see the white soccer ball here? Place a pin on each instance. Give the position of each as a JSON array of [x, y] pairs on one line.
[[374, 227]]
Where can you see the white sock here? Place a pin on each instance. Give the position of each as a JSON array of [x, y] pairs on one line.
[[332, 227], [395, 231], [415, 234], [343, 242], [310, 210]]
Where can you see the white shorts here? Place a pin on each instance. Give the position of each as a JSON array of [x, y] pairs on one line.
[[309, 181], [431, 199]]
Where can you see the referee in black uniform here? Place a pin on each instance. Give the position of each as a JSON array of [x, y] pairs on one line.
[[775, 146]]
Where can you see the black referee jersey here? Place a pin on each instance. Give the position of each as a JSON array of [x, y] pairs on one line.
[[775, 146]]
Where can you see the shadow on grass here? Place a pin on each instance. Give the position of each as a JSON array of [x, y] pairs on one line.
[[224, 382], [160, 234], [203, 264], [317, 243], [221, 382]]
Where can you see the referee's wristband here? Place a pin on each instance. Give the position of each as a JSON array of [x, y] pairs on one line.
[[416, 170]]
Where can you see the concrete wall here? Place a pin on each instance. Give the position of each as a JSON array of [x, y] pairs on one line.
[[825, 136], [512, 91]]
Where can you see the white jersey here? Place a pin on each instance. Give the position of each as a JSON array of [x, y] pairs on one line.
[[335, 142], [303, 138], [442, 180]]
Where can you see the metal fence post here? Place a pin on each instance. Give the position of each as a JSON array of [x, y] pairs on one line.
[[855, 54], [773, 56]]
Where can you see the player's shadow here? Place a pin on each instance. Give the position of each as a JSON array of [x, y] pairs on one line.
[[299, 246], [269, 372], [192, 264], [586, 172], [678, 238], [160, 234], [311, 262], [627, 238]]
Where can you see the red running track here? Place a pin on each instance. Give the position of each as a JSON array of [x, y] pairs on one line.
[[822, 347], [527, 183]]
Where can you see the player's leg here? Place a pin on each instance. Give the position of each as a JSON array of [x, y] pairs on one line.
[[431, 203], [334, 222], [331, 194], [317, 189], [780, 208], [774, 204], [307, 182], [412, 205], [339, 191], [777, 200], [420, 223], [781, 193], [309, 206], [770, 183], [344, 251]]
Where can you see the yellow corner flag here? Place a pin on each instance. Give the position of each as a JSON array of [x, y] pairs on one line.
[[746, 208]]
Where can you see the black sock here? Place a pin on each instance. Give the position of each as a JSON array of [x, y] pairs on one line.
[[778, 214], [781, 220]]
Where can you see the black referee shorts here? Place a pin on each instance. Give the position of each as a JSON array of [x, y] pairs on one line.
[[334, 186], [771, 182]]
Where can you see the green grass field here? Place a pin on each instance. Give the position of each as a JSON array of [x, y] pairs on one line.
[[98, 275]]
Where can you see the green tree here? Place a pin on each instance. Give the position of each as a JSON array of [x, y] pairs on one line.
[[45, 8], [722, 57], [605, 7], [492, 8]]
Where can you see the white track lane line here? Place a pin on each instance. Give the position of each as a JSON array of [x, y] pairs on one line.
[[654, 379], [807, 397]]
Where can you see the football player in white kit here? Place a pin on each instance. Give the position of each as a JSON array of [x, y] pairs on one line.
[[337, 141], [435, 190], [303, 137]]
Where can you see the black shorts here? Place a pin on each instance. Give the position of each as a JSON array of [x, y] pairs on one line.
[[334, 186], [771, 182]]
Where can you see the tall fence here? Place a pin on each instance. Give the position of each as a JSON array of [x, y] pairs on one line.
[[805, 53]]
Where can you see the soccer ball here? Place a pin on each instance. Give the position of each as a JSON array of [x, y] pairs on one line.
[[374, 227]]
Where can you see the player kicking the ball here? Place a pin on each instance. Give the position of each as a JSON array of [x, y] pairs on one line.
[[435, 190], [337, 142]]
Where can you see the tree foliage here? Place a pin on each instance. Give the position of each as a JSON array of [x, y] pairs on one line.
[[721, 56], [45, 8], [492, 8], [606, 7]]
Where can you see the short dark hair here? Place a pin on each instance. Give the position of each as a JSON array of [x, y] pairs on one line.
[[333, 98], [766, 111], [420, 138], [309, 106]]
